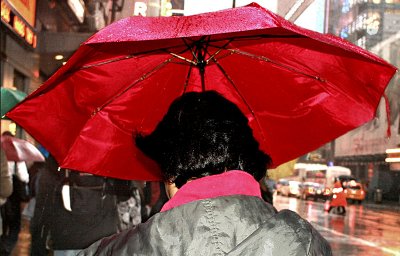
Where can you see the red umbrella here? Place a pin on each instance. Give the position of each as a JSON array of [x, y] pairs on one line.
[[20, 150], [299, 88]]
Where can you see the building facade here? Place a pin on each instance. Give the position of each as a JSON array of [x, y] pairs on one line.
[[19, 62], [373, 25], [37, 37]]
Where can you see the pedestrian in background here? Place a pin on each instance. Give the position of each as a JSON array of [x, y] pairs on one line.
[[211, 165], [5, 184], [75, 209], [154, 197], [11, 210], [129, 199], [72, 211], [338, 199], [47, 179], [267, 189]]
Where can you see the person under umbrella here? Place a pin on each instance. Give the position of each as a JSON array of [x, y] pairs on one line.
[[5, 184], [11, 210], [211, 163], [9, 98], [124, 77]]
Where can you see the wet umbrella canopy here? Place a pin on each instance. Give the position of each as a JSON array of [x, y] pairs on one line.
[[299, 89], [20, 150], [10, 98]]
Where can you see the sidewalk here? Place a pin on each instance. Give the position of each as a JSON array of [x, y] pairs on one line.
[[22, 248], [384, 205]]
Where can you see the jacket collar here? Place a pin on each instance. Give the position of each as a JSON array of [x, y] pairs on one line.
[[226, 184]]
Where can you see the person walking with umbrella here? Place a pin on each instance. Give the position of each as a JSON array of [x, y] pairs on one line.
[[11, 210], [279, 75], [211, 165], [5, 184], [9, 98]]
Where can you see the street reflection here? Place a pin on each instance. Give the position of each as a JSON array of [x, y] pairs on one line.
[[362, 231], [293, 205]]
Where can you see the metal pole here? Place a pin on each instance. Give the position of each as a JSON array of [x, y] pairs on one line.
[[113, 10], [332, 152]]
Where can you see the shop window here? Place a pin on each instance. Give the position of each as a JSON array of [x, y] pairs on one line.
[[19, 81]]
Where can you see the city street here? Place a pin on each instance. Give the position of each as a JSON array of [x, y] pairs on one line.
[[362, 231]]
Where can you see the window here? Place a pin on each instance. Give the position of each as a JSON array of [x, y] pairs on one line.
[[19, 81]]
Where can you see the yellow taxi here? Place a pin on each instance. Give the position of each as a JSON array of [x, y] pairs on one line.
[[354, 191]]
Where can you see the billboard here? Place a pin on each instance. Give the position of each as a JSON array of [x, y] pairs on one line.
[[196, 7]]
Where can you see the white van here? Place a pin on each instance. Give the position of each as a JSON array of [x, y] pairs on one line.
[[306, 172], [319, 173], [335, 171]]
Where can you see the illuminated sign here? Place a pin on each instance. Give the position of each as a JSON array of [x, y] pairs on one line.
[[393, 155], [26, 9], [393, 158], [163, 8], [140, 9], [78, 8], [17, 24], [166, 8], [5, 12]]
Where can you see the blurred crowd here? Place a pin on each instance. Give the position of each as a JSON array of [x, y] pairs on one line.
[[63, 204]]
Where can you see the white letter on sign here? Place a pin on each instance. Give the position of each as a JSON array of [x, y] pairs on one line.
[[140, 9]]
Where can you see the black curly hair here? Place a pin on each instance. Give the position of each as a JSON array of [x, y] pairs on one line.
[[203, 134]]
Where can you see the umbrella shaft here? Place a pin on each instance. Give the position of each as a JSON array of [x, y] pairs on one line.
[[201, 62]]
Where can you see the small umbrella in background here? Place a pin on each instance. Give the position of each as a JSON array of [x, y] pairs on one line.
[[20, 150], [9, 98], [299, 89]]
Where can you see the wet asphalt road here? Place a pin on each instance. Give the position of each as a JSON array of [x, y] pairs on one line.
[[362, 231]]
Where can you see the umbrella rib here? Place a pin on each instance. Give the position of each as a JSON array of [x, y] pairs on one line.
[[143, 77], [233, 85], [254, 37], [129, 56], [275, 63], [240, 95], [183, 58], [107, 62], [195, 60], [238, 38], [190, 47], [219, 50], [233, 51]]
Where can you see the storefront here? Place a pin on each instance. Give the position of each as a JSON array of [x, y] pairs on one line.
[[19, 61]]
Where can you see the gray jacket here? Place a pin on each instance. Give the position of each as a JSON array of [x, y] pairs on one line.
[[226, 225]]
